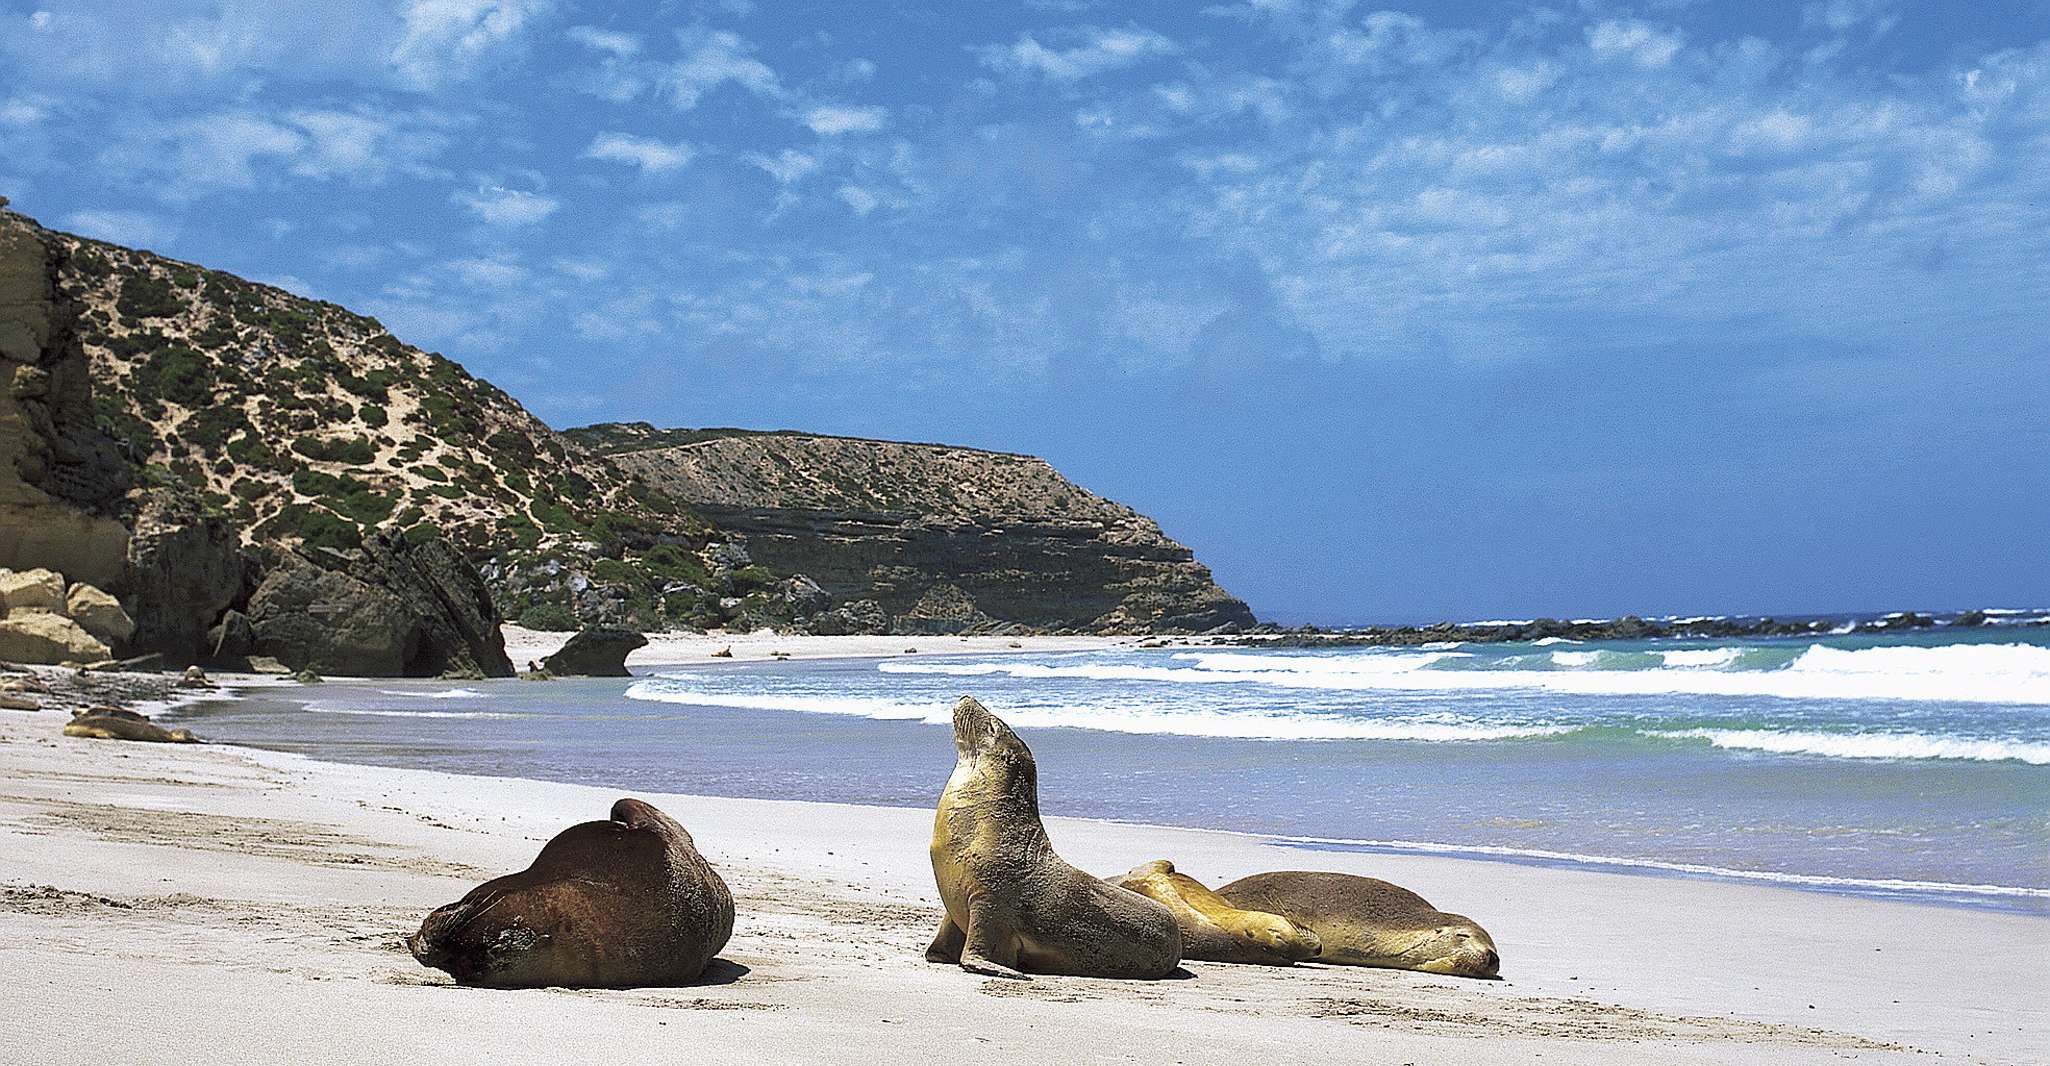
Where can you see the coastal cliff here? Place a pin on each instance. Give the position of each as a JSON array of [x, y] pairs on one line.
[[923, 538], [230, 459]]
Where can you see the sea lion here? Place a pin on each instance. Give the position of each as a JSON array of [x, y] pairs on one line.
[[614, 904], [1212, 929], [1367, 922], [113, 723], [1012, 904]]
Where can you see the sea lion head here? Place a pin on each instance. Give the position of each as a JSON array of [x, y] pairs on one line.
[[978, 734], [1456, 945], [1279, 935]]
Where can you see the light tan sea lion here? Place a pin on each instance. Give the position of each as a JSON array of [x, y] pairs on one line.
[[615, 904], [111, 723], [1366, 922], [1212, 929], [1012, 904]]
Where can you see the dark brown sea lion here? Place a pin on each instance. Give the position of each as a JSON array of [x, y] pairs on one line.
[[114, 723], [1212, 929], [1012, 905], [1367, 922], [614, 904]]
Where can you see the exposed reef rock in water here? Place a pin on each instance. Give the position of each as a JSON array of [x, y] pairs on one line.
[[927, 538], [250, 473], [1628, 627]]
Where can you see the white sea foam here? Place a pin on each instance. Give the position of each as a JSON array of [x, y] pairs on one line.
[[1549, 641], [1869, 745], [1187, 721], [1701, 658], [1965, 673], [1883, 884], [445, 694]]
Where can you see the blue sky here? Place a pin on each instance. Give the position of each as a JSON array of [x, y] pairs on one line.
[[1394, 312]]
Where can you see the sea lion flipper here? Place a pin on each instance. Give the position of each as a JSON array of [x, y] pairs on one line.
[[947, 943], [989, 951]]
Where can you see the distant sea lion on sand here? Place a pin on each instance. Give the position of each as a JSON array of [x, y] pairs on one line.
[[1367, 922], [614, 904], [115, 723], [1012, 904], [1212, 929]]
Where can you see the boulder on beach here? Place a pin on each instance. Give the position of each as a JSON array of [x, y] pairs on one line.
[[98, 613], [43, 637], [599, 651], [31, 590]]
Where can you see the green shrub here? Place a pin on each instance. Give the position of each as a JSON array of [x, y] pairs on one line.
[[147, 296], [320, 529], [373, 415], [180, 374], [549, 617], [353, 452]]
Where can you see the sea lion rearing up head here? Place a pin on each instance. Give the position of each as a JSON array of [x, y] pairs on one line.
[[1012, 904], [1212, 929], [614, 904], [1366, 922]]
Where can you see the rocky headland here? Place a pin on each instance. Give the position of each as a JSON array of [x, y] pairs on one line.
[[261, 480]]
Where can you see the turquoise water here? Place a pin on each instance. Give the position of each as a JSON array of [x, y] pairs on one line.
[[1913, 765]]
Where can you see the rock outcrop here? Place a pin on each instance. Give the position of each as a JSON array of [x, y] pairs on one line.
[[99, 613], [398, 610], [599, 651]]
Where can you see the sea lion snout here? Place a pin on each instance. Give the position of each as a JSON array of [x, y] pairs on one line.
[[976, 730]]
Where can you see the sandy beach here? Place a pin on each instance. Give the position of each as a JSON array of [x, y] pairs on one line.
[[210, 904]]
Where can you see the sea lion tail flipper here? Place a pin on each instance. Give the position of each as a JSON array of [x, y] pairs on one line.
[[947, 943], [989, 951]]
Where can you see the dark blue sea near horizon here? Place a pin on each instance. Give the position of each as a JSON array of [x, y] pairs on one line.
[[1906, 765]]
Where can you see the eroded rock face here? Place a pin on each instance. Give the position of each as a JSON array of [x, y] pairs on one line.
[[599, 651], [60, 476], [184, 568], [394, 610]]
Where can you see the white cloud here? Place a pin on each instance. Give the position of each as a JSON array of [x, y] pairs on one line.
[[828, 121], [856, 69], [444, 39], [786, 166], [712, 58], [495, 272], [647, 153], [500, 206], [611, 42], [1525, 82], [1636, 41], [22, 112], [132, 228], [861, 200], [1099, 50], [364, 145]]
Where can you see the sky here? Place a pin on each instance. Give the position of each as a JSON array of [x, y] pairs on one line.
[[1393, 312]]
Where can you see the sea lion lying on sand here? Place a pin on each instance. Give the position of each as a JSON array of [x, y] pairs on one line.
[[115, 723], [614, 904], [1366, 922], [1012, 904], [1212, 929]]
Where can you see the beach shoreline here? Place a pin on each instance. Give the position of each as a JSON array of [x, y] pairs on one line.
[[251, 885], [684, 648]]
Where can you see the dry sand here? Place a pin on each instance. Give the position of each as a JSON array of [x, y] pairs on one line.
[[173, 904]]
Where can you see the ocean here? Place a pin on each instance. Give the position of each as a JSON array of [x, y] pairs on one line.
[[1907, 765]]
